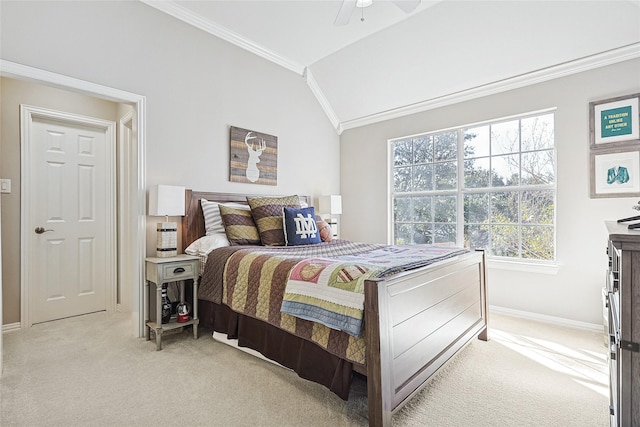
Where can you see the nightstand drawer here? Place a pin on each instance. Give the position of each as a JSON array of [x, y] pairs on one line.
[[178, 271]]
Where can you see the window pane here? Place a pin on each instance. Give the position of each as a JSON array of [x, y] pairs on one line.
[[506, 170], [423, 150], [537, 207], [402, 234], [445, 208], [422, 178], [505, 240], [476, 142], [402, 209], [504, 207], [445, 233], [422, 209], [505, 138], [538, 168], [476, 236], [503, 164], [476, 173], [476, 208], [446, 176], [537, 132], [445, 146], [402, 153], [537, 242], [422, 234], [402, 179]]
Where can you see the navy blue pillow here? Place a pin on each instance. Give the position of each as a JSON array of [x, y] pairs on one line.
[[300, 227]]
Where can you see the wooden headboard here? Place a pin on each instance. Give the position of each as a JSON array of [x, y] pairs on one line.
[[193, 221]]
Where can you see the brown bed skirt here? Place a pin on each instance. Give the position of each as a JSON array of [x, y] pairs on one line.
[[308, 360]]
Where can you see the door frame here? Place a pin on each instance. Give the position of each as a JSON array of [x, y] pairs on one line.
[[27, 115], [134, 247]]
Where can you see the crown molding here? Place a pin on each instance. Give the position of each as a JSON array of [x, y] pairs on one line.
[[602, 59], [171, 8], [587, 63], [324, 102]]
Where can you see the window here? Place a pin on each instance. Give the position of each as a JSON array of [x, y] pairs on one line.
[[488, 186]]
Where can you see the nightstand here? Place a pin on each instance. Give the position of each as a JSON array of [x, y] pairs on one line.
[[163, 270]]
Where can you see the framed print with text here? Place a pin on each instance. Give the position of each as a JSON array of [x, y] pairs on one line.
[[614, 122]]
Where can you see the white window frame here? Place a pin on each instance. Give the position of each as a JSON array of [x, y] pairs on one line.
[[508, 263]]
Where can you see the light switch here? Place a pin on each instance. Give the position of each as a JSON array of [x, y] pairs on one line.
[[5, 186]]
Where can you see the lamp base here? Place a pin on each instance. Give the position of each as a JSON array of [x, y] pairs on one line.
[[167, 244], [333, 223]]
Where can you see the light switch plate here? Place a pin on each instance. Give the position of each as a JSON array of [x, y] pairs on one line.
[[5, 186]]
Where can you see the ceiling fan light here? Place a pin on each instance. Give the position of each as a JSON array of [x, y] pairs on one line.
[[364, 3]]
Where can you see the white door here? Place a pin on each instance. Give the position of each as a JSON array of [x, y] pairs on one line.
[[68, 203]]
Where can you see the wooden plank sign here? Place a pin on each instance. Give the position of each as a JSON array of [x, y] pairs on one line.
[[253, 157]]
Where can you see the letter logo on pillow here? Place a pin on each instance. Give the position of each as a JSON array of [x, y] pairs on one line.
[[305, 227]]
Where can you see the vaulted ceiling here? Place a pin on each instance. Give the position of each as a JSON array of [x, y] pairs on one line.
[[393, 63]]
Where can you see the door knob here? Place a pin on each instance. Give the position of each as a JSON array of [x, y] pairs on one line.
[[40, 230]]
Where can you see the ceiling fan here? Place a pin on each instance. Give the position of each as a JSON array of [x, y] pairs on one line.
[[348, 6]]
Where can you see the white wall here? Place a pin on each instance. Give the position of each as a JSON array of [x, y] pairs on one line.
[[456, 45], [195, 85], [574, 293]]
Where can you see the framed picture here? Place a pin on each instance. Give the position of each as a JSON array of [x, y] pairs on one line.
[[253, 157], [615, 122], [615, 173]]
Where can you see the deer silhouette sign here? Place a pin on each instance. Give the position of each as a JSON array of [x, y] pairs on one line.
[[255, 150]]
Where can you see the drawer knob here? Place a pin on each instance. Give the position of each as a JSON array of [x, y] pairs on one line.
[[178, 270]]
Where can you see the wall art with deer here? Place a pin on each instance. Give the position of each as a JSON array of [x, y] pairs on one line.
[[253, 157]]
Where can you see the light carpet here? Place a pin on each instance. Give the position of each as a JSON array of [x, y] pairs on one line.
[[89, 371]]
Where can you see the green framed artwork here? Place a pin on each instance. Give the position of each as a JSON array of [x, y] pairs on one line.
[[615, 172], [615, 122]]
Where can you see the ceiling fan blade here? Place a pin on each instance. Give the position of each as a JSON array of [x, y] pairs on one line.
[[407, 6], [344, 14]]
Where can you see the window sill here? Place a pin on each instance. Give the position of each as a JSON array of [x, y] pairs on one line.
[[523, 266]]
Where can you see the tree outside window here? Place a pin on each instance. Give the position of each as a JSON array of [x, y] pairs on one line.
[[490, 186]]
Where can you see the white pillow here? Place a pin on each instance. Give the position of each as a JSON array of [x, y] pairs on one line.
[[212, 219], [206, 244]]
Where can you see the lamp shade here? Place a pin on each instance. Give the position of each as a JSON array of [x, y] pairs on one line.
[[330, 205], [166, 200]]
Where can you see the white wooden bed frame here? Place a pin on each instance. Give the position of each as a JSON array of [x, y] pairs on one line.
[[415, 321]]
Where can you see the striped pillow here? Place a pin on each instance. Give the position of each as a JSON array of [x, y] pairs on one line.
[[267, 214], [239, 226], [212, 219]]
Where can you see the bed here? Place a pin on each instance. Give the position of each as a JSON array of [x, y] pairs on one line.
[[414, 320]]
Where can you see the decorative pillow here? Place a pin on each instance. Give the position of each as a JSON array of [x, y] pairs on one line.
[[206, 244], [267, 214], [324, 229], [239, 226], [300, 227], [212, 219]]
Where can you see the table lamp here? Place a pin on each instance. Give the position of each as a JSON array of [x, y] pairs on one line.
[[166, 200], [331, 205]]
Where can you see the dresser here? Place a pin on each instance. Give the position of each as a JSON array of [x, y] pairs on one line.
[[623, 306]]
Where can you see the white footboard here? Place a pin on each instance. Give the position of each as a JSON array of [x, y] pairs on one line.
[[415, 322]]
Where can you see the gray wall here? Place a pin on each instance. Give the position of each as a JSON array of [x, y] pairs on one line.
[[196, 86], [574, 292]]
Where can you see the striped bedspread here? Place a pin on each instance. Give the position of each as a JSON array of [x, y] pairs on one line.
[[252, 280]]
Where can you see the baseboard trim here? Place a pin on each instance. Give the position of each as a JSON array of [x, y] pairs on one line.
[[11, 327], [560, 321]]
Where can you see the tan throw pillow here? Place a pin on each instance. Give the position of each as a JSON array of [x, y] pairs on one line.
[[267, 214], [326, 233], [239, 226]]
